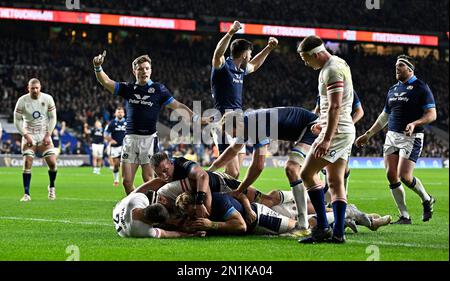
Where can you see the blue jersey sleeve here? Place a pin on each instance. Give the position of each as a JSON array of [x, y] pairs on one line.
[[387, 109], [222, 207], [428, 101], [166, 96], [121, 89], [356, 102]]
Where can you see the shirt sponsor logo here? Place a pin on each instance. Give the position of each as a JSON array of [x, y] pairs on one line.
[[141, 100]]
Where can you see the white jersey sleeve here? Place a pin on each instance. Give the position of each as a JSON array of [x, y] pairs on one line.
[[171, 190]]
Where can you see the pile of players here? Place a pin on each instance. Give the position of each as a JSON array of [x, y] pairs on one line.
[[185, 200]]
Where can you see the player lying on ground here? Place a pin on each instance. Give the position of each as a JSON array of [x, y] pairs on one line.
[[134, 216], [259, 128], [203, 182], [229, 216]]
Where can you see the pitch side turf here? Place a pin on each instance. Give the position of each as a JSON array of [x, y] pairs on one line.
[[80, 219]]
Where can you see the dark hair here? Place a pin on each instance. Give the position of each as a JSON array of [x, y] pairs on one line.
[[239, 46], [157, 158], [156, 213], [409, 59], [309, 43]]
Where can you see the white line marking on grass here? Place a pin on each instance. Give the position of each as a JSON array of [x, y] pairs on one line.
[[409, 245], [87, 199], [56, 221]]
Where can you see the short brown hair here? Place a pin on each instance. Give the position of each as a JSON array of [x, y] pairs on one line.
[[239, 46], [139, 60], [309, 43]]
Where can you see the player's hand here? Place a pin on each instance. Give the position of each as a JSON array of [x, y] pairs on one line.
[[321, 148], [46, 141], [272, 43], [316, 129], [235, 27], [199, 234], [113, 142], [250, 216], [201, 211], [362, 140], [409, 129], [29, 140], [98, 60], [201, 224], [207, 120]]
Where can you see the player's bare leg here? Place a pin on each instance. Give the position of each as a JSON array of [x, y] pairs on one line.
[[147, 172], [128, 174]]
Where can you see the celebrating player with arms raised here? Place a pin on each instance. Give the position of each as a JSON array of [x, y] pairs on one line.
[[144, 101], [227, 78]]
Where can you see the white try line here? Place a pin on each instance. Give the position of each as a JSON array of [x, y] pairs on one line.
[[57, 221], [70, 199], [408, 245]]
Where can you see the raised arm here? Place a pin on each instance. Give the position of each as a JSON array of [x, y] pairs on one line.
[[218, 58], [259, 59], [101, 76]]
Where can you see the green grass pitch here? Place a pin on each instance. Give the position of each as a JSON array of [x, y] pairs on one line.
[[81, 216]]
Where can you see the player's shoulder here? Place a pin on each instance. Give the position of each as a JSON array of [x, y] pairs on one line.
[[46, 96], [24, 97], [420, 83]]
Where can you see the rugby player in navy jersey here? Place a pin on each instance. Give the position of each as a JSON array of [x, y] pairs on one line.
[[97, 145], [357, 114], [144, 100], [227, 216], [258, 128], [185, 175], [114, 134], [409, 107], [227, 78]]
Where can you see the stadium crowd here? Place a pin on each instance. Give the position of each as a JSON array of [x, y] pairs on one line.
[[303, 13], [65, 69]]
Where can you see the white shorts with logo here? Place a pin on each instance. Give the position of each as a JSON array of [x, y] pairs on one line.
[[408, 147], [137, 149], [115, 151], [37, 139], [340, 147], [97, 150]]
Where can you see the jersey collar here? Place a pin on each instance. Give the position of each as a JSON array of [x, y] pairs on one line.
[[149, 83], [410, 81]]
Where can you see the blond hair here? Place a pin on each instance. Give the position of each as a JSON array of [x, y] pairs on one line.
[[184, 200]]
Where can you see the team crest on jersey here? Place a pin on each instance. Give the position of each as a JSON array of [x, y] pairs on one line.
[[36, 114], [410, 87], [125, 156], [151, 90]]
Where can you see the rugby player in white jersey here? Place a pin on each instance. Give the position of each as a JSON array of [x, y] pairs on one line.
[[139, 216], [35, 119], [332, 146]]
